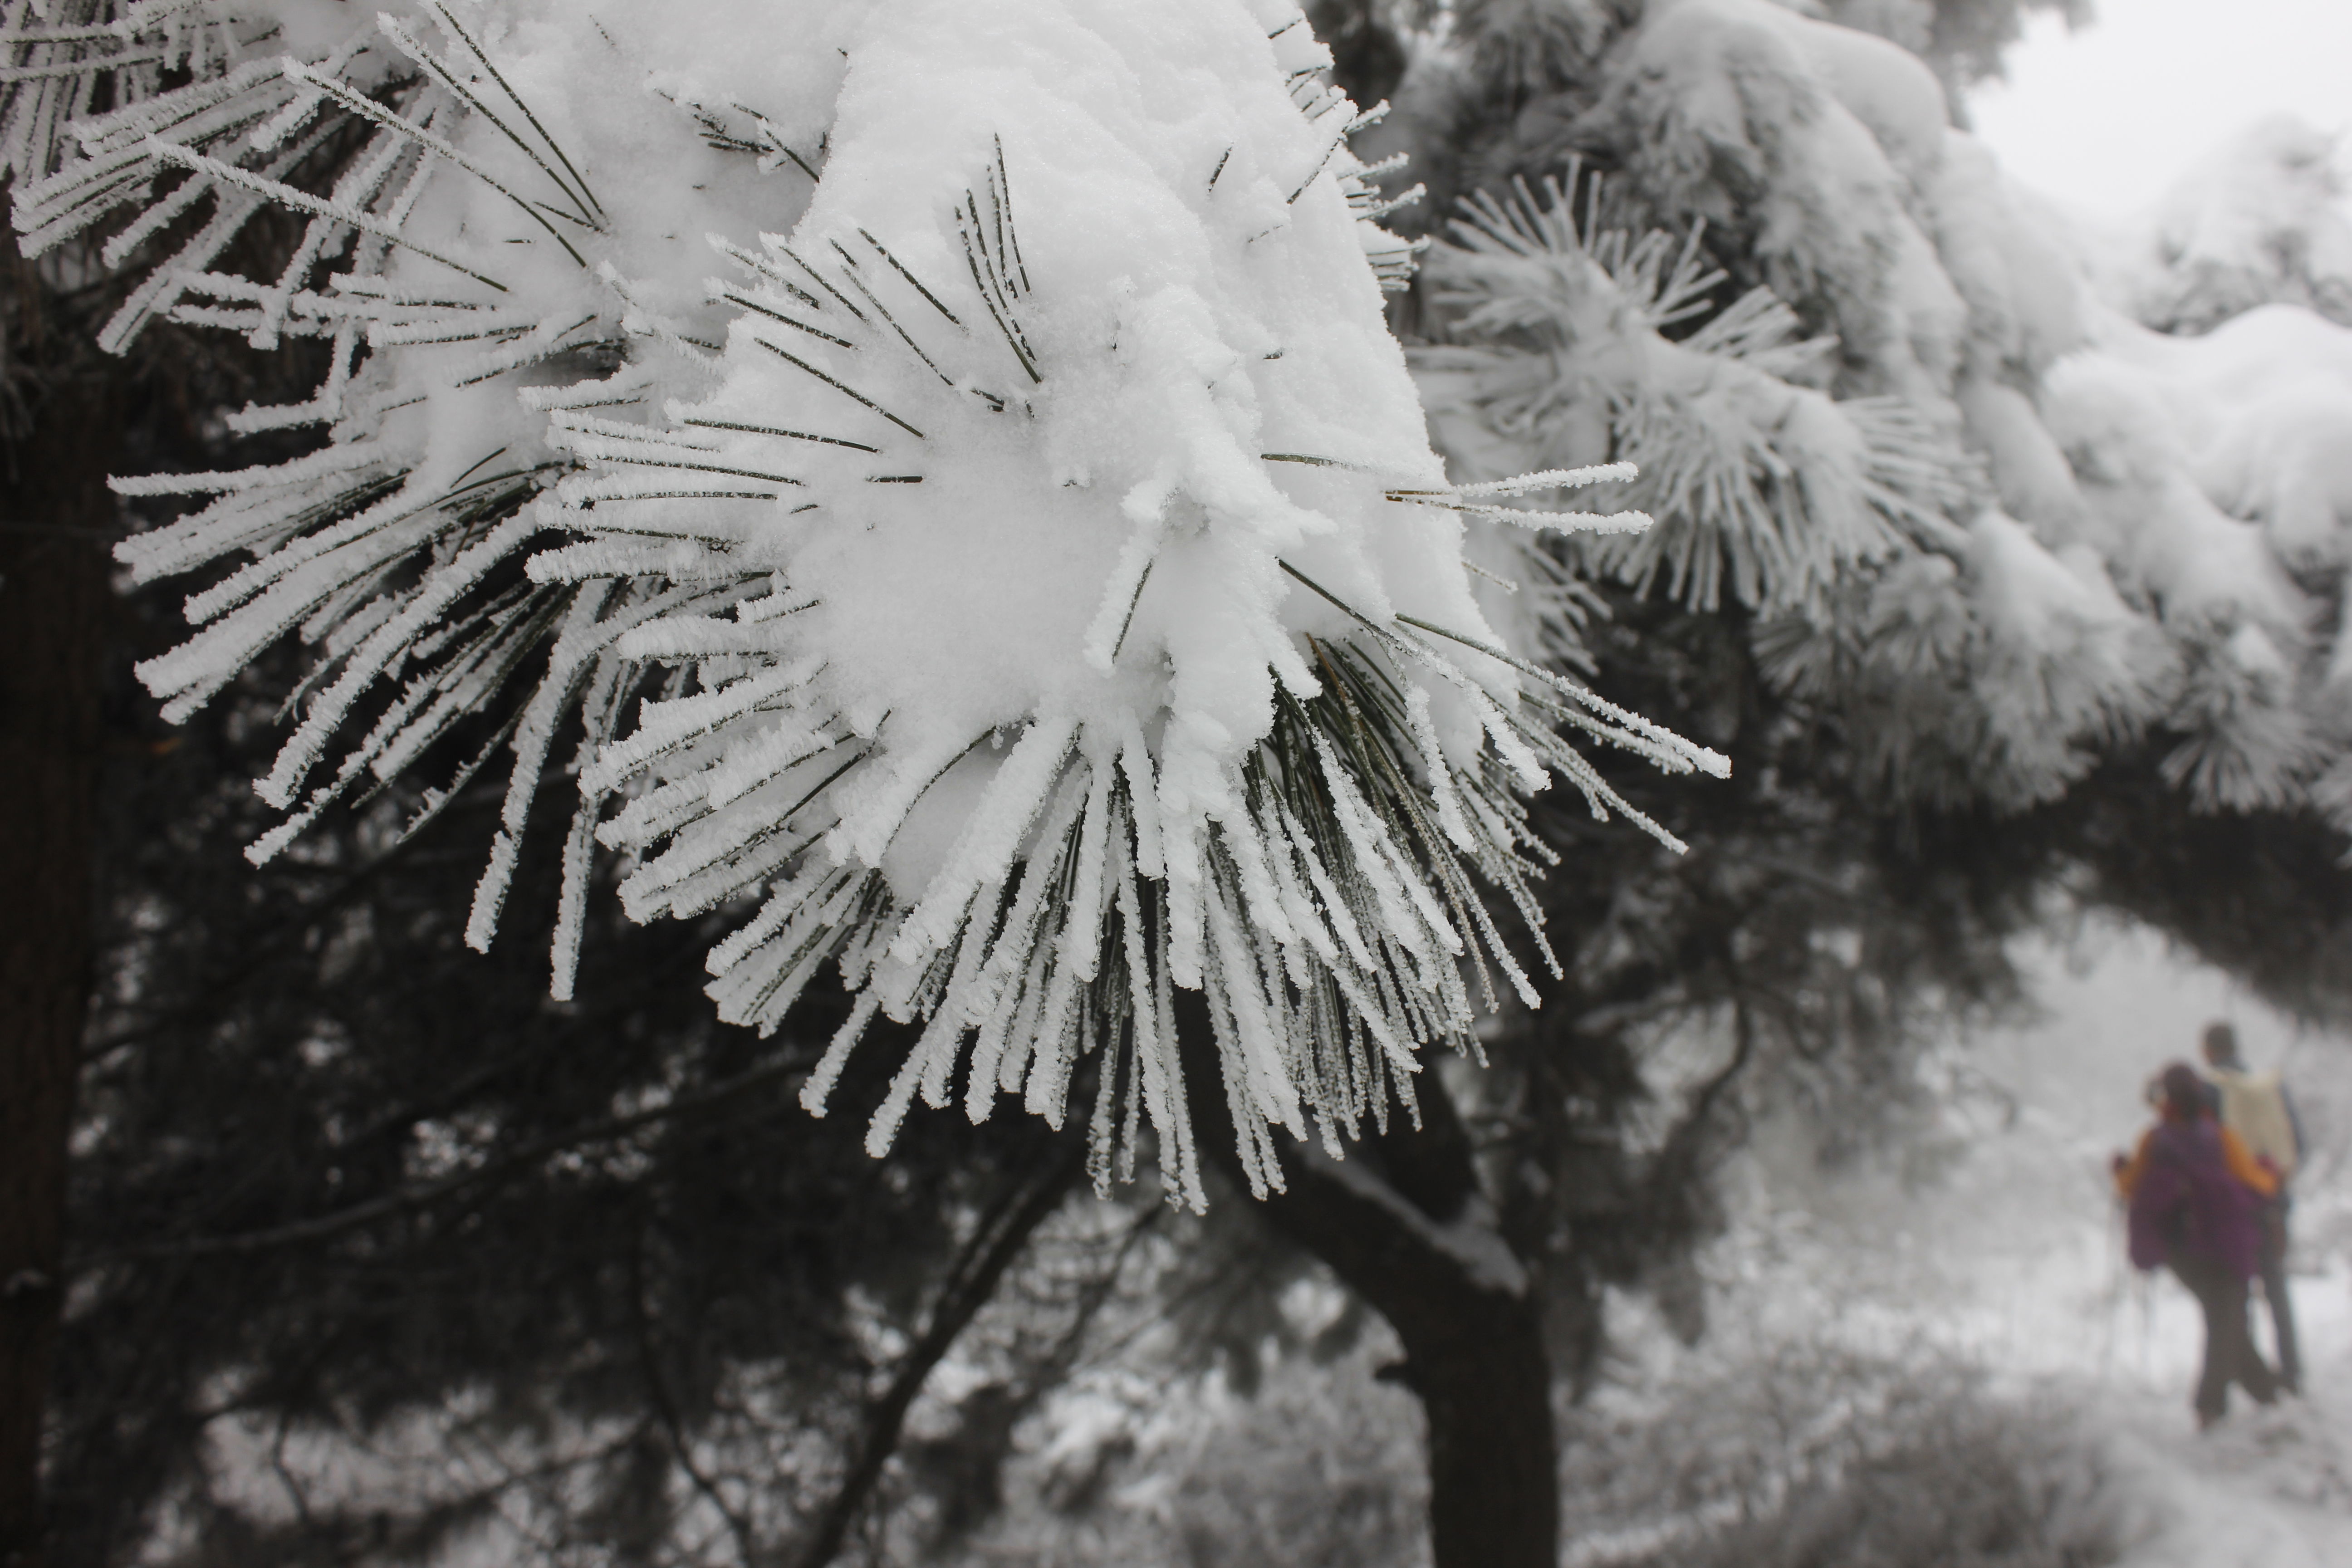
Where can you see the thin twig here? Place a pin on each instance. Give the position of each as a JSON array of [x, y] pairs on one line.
[[999, 1240], [424, 1194]]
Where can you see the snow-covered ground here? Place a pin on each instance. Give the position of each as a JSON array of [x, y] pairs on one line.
[[2272, 1491]]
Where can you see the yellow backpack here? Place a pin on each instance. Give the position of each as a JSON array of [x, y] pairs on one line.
[[2254, 1106]]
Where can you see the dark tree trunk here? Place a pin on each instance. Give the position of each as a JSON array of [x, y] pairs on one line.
[[1404, 1225], [1473, 1352], [54, 515]]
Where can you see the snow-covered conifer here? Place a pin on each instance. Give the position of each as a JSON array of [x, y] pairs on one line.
[[946, 458], [2260, 221], [2000, 525]]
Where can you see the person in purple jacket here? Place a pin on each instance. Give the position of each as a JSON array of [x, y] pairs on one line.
[[2196, 1199]]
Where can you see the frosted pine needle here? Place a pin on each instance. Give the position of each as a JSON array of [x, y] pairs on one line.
[[1021, 587]]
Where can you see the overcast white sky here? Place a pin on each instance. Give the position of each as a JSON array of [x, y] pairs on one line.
[[2102, 118]]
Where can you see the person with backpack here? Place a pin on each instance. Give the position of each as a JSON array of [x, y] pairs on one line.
[[2195, 1194], [2256, 1108]]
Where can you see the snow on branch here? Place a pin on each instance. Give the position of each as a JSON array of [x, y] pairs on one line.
[[1022, 585]]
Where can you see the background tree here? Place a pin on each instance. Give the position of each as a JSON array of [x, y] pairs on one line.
[[70, 414], [54, 608]]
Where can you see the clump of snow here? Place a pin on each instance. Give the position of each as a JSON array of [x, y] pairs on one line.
[[1066, 418], [1828, 129], [950, 461], [2262, 220]]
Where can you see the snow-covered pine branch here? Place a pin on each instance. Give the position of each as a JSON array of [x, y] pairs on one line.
[[1766, 490], [1999, 527], [1019, 577]]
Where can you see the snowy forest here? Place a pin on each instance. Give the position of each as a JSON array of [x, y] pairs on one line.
[[1146, 782]]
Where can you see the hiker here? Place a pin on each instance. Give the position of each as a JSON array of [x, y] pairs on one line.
[[2195, 1196], [2256, 1108]]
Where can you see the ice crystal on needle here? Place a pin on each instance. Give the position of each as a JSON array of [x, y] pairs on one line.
[[1019, 579]]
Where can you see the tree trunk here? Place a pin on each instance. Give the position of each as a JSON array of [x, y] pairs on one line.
[[55, 516], [1403, 1223], [1473, 1352]]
